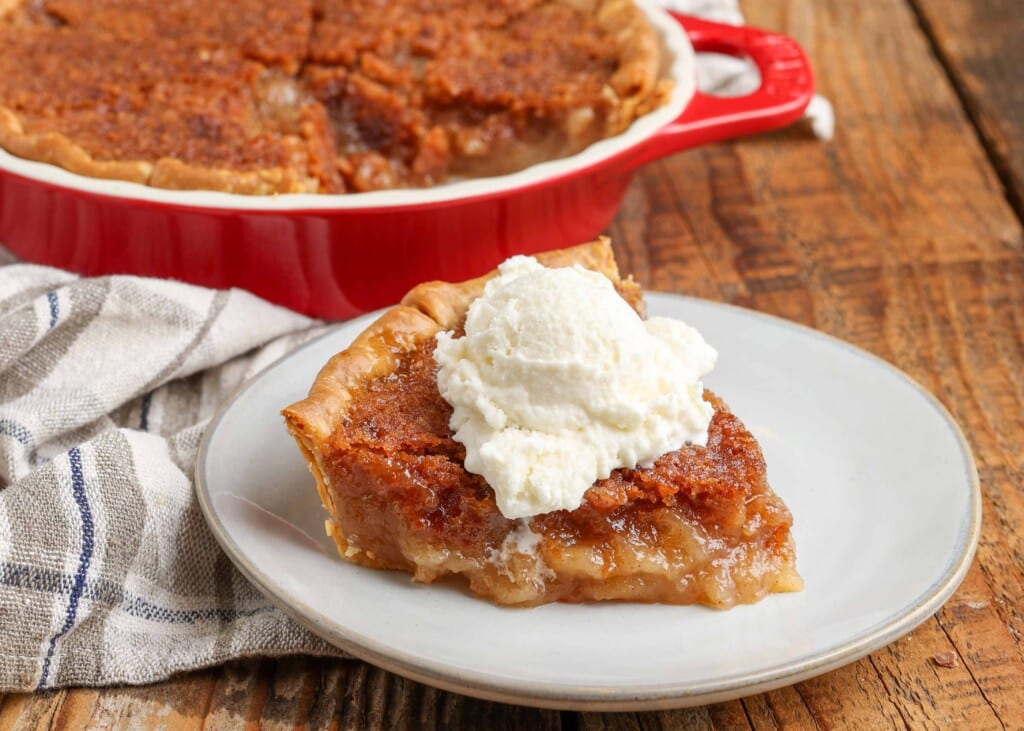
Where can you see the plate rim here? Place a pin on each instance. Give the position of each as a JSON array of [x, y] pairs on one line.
[[592, 698]]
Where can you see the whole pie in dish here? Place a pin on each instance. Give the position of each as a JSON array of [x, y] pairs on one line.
[[701, 525], [330, 96]]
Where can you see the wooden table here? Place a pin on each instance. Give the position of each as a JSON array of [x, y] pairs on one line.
[[903, 236]]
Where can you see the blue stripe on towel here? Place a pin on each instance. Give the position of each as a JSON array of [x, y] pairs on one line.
[[111, 594], [84, 557], [144, 411], [51, 297], [13, 429]]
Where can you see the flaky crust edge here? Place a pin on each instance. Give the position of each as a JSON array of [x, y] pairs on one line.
[[640, 84], [446, 302], [58, 149]]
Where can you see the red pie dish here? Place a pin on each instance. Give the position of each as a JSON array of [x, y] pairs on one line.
[[338, 255]]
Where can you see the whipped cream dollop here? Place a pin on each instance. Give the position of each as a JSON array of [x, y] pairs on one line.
[[557, 382]]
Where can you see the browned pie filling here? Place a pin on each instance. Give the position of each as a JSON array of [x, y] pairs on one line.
[[264, 96], [699, 526]]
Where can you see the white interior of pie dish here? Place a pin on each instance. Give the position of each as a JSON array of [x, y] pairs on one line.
[[682, 70]]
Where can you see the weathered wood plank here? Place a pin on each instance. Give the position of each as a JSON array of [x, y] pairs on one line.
[[929, 695], [782, 708], [365, 697], [238, 694], [286, 694], [180, 703], [291, 694], [31, 711], [721, 716], [979, 43]]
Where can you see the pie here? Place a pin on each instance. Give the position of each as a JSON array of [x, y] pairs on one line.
[[701, 525], [318, 96]]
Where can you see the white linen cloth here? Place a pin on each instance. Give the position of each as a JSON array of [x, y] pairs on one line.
[[108, 573], [727, 76]]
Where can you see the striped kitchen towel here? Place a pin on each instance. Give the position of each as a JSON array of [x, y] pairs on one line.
[[108, 573]]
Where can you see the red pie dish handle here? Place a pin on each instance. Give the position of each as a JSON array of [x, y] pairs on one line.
[[787, 85]]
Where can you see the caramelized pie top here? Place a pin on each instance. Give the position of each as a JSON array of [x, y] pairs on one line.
[[275, 96], [403, 414]]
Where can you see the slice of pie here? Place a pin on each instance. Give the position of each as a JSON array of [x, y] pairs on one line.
[[701, 525]]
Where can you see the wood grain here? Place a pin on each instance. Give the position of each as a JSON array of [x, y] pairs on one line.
[[981, 44], [283, 694], [897, 236]]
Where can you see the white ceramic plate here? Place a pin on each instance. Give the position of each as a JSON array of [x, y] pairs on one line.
[[881, 483]]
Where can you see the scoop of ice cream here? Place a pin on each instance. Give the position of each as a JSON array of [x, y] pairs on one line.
[[557, 382]]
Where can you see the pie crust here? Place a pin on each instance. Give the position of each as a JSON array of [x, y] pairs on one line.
[[374, 96], [699, 526]]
